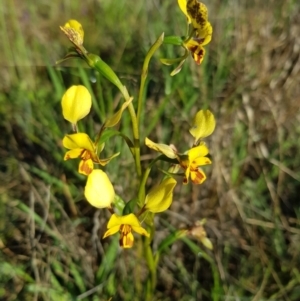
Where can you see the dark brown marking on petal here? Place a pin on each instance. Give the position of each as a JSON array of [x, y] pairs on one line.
[[199, 177], [85, 168], [197, 12], [126, 237], [85, 155]]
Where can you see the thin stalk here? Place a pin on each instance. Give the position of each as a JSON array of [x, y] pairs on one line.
[[135, 132], [144, 73], [152, 279], [142, 193], [136, 140]]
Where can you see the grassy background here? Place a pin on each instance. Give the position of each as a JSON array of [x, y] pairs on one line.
[[50, 237]]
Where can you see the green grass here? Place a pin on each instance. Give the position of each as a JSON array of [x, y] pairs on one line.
[[50, 237]]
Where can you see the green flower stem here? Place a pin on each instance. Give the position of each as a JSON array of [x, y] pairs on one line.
[[136, 133], [152, 279], [142, 193], [148, 253], [144, 74]]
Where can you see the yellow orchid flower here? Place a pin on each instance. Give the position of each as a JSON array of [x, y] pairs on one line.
[[191, 162], [81, 146], [160, 197], [76, 103], [125, 224], [197, 15], [98, 190], [196, 50], [203, 125]]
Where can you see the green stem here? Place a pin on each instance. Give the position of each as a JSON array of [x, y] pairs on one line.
[[135, 132], [152, 279], [142, 193], [144, 74]]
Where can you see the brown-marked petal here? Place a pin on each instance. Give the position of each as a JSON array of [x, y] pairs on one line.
[[86, 167]]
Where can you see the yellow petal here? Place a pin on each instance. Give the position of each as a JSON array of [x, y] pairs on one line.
[[76, 26], [203, 124], [205, 34], [200, 162], [73, 153], [114, 221], [162, 148], [129, 219], [98, 190], [78, 140], [198, 13], [160, 197], [182, 5], [114, 120], [111, 231], [76, 103], [198, 151], [140, 230], [74, 31]]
